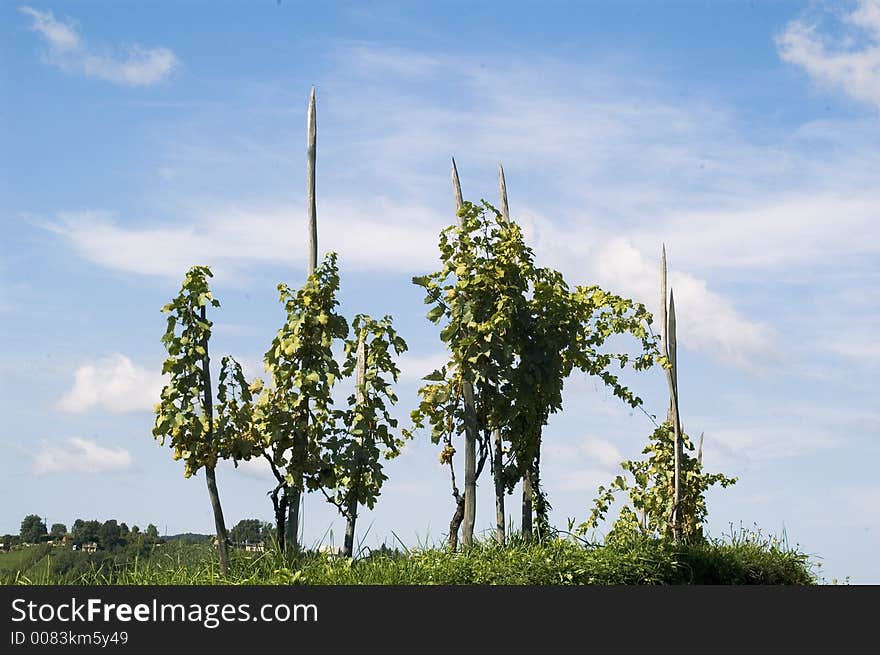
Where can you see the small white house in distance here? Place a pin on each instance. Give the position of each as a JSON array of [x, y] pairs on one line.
[[90, 547]]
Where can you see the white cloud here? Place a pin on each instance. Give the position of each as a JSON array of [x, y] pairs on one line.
[[415, 367], [80, 456], [581, 465], [855, 69], [859, 347], [113, 384], [581, 481], [59, 35], [136, 66], [257, 468], [602, 451], [760, 432], [399, 238], [705, 320], [732, 443]]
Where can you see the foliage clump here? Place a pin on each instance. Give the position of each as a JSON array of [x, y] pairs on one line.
[[651, 493], [515, 331]]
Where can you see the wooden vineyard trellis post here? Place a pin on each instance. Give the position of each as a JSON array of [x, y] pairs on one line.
[[498, 458], [669, 346], [470, 412], [295, 493]]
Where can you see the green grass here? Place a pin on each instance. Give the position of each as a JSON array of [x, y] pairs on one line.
[[557, 562], [22, 561]]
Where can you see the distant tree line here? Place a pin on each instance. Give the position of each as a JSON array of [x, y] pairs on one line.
[[112, 535], [108, 535]]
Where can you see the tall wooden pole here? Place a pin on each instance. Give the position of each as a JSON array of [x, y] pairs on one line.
[[294, 493], [663, 306], [310, 182], [528, 482], [668, 345], [500, 526], [470, 420]]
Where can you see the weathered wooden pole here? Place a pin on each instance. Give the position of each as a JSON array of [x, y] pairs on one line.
[[663, 306], [352, 510], [668, 345], [310, 182], [502, 185], [500, 527], [295, 493], [470, 419]]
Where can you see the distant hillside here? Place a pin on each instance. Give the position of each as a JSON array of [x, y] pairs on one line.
[[189, 538]]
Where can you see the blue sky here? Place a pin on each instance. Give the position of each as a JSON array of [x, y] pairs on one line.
[[139, 140]]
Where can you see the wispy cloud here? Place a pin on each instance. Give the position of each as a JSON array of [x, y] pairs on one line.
[[257, 468], [80, 456], [378, 235], [707, 321], [581, 465], [850, 63], [60, 36], [134, 65], [765, 432], [602, 451], [415, 367], [113, 384]]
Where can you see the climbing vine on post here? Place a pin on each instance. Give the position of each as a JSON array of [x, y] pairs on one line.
[[365, 435], [667, 491], [293, 416], [515, 332], [479, 297], [197, 432], [651, 490]]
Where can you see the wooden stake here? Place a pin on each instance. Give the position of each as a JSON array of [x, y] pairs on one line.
[[470, 419], [310, 183], [500, 520], [505, 210]]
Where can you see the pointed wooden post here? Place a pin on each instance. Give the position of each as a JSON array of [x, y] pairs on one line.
[[310, 183], [500, 523], [663, 318], [502, 184], [668, 349], [470, 420], [294, 494]]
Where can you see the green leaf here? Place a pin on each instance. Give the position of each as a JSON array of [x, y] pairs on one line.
[[436, 376], [435, 313]]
